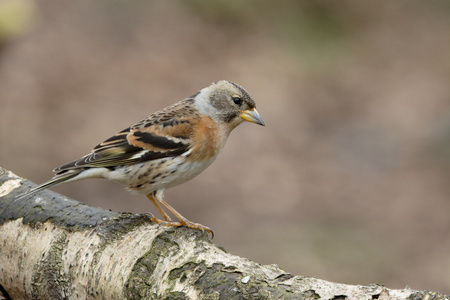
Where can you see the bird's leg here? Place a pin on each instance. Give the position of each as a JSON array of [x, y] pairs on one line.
[[166, 217], [183, 221]]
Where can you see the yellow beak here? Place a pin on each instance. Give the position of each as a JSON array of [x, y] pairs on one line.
[[251, 115]]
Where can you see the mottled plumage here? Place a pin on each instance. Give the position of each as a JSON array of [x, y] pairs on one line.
[[167, 148]]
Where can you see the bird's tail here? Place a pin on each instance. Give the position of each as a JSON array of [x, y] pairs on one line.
[[52, 182]]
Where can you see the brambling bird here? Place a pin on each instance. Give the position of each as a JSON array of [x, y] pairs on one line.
[[167, 148]]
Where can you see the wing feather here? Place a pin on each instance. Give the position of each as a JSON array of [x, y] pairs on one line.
[[166, 133]]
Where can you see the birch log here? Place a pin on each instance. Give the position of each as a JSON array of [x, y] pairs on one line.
[[52, 247]]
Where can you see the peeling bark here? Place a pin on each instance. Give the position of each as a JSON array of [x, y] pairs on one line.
[[52, 247]]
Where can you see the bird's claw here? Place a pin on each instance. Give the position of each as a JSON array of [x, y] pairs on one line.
[[184, 222]]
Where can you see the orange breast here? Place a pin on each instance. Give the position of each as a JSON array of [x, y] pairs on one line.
[[207, 140]]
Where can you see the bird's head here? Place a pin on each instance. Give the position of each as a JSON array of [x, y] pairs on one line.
[[229, 103]]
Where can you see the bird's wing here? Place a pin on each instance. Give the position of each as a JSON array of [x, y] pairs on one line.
[[166, 133]]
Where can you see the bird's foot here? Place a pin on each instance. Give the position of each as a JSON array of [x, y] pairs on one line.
[[184, 222]]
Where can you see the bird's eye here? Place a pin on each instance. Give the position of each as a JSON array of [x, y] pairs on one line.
[[237, 100]]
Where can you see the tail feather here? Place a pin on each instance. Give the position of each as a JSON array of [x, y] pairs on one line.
[[58, 179]]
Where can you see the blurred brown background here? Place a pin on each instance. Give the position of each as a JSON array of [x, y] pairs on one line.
[[350, 179]]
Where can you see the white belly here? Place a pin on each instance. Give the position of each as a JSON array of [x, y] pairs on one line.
[[159, 174]]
